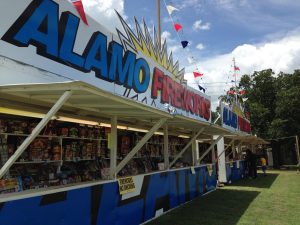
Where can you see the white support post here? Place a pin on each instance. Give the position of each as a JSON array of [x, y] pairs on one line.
[[114, 147], [234, 152], [197, 153], [194, 151], [35, 132], [140, 144], [186, 147], [222, 177], [166, 146], [233, 148], [229, 145], [209, 149]]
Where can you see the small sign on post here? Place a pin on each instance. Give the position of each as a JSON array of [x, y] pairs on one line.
[[126, 185]]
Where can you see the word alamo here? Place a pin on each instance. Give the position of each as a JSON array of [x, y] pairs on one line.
[[54, 37]]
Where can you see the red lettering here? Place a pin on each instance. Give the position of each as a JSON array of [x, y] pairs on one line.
[[206, 109], [177, 95], [157, 83], [181, 97]]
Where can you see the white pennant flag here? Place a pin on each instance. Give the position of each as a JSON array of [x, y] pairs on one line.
[[191, 60], [171, 9]]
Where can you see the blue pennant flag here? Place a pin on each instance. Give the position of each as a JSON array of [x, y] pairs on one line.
[[201, 88], [184, 44]]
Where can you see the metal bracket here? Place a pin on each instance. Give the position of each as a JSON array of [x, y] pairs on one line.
[[60, 102], [186, 147], [140, 145], [210, 148]]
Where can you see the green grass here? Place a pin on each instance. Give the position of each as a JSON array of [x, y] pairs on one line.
[[270, 200]]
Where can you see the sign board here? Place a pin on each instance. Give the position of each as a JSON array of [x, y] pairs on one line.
[[210, 169], [233, 119], [49, 35], [126, 185]]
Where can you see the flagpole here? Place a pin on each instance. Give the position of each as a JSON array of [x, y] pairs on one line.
[[158, 23], [234, 74]]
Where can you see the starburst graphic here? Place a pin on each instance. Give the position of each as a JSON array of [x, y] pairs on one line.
[[142, 42]]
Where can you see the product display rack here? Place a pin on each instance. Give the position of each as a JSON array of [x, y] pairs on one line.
[[55, 158]]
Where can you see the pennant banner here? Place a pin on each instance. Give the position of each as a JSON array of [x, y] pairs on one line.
[[197, 74], [201, 88], [191, 60], [79, 7], [177, 27], [171, 9], [184, 44], [242, 92], [236, 68]]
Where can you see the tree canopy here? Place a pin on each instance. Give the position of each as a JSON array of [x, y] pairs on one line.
[[274, 102]]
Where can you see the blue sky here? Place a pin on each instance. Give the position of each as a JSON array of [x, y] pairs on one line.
[[260, 34]]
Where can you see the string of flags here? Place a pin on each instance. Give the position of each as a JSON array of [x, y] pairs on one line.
[[177, 26], [184, 43], [79, 7]]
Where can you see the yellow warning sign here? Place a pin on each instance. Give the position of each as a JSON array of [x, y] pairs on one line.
[[126, 185]]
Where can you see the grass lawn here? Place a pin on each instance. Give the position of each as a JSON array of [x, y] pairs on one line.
[[270, 200]]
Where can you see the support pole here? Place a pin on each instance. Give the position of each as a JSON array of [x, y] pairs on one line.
[[209, 149], [229, 145], [197, 153], [166, 146], [234, 152], [194, 151], [114, 147], [186, 147], [158, 24], [60, 102], [140, 145], [240, 143], [298, 153]]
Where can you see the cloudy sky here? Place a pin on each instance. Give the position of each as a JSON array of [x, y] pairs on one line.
[[259, 34]]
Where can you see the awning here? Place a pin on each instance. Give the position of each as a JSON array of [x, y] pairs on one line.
[[90, 103]]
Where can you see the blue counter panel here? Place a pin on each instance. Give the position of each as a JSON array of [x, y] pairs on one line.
[[103, 205], [234, 171]]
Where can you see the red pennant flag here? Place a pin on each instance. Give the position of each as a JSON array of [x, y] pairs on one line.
[[237, 68], [177, 27], [79, 7], [242, 92], [231, 92], [197, 74]]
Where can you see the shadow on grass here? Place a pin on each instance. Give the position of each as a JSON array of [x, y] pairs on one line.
[[260, 182], [217, 208]]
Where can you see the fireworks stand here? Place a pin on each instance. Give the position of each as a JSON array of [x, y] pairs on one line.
[[96, 127], [232, 165]]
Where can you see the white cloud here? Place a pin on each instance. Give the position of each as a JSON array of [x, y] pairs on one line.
[[166, 35], [199, 25], [200, 46], [279, 55], [103, 11], [174, 49]]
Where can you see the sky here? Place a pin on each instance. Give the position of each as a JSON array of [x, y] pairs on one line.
[[259, 34]]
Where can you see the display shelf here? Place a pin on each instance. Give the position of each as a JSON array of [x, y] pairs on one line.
[[39, 162], [78, 160], [53, 136], [26, 135], [80, 138]]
